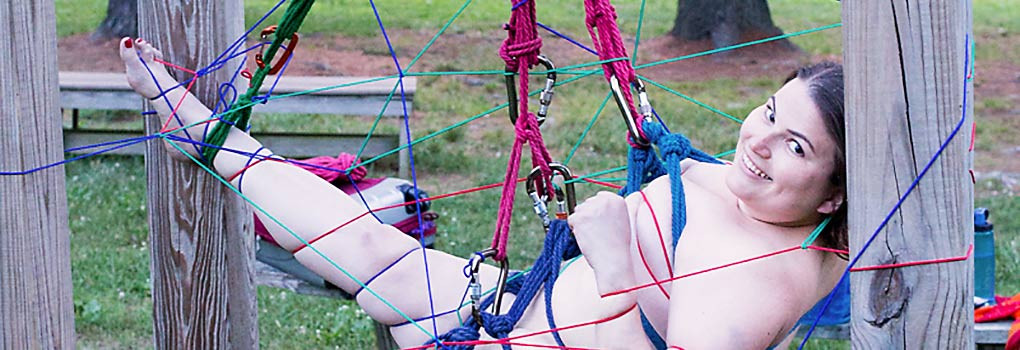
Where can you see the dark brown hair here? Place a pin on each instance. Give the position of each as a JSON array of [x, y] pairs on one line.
[[825, 85]]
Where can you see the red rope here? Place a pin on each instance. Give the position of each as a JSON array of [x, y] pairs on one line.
[[165, 63], [631, 289], [451, 194], [641, 252], [597, 182], [520, 52], [658, 229], [916, 263], [600, 16]]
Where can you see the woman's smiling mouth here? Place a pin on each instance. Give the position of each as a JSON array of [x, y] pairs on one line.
[[750, 166]]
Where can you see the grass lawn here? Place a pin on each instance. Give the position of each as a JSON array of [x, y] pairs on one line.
[[107, 194]]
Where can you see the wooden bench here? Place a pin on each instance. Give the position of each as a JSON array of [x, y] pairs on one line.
[[987, 336], [110, 91], [269, 276]]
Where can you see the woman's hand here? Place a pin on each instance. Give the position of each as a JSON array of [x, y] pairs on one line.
[[602, 227]]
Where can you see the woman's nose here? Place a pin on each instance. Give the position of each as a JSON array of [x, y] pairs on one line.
[[760, 147]]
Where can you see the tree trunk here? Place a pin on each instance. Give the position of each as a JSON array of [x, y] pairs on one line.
[[725, 22], [121, 20]]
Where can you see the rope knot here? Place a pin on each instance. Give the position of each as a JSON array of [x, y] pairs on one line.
[[459, 334], [527, 129], [526, 50], [497, 326], [670, 145]]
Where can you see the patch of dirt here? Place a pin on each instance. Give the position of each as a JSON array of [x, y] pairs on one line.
[[999, 80], [321, 55]]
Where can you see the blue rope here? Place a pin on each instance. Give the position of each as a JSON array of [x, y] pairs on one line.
[[559, 245], [675, 148]]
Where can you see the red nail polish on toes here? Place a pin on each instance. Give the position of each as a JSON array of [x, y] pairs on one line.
[[127, 43]]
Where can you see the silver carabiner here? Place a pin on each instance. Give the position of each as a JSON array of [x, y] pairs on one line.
[[644, 106], [544, 100], [566, 199], [475, 285]]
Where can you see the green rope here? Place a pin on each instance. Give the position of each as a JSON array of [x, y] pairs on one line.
[[436, 37], [460, 123], [637, 37], [289, 25], [375, 124], [598, 173], [737, 46], [591, 124], [814, 234], [691, 99], [723, 154]]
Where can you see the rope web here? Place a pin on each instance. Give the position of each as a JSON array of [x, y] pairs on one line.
[[228, 102]]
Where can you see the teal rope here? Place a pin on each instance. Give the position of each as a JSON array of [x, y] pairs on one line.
[[295, 235], [737, 46], [591, 124], [691, 99]]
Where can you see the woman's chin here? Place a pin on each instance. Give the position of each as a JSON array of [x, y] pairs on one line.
[[740, 186]]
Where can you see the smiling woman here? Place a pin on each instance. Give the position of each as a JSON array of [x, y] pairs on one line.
[[772, 199], [793, 155]]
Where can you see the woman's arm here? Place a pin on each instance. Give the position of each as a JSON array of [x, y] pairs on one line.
[[602, 227]]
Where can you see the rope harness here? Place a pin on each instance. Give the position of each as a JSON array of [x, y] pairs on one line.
[[520, 51]]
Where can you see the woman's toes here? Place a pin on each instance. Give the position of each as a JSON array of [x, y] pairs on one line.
[[127, 50]]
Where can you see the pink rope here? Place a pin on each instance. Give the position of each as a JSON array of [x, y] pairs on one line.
[[600, 16], [520, 52], [324, 167]]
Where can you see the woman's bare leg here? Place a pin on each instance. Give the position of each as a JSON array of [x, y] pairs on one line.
[[309, 206]]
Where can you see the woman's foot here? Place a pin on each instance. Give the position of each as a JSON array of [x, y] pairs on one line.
[[150, 79], [139, 60]]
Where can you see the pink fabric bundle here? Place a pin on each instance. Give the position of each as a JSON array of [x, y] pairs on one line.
[[331, 168]]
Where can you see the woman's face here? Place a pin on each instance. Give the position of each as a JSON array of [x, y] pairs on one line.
[[784, 159]]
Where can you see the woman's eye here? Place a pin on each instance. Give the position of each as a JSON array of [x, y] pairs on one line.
[[770, 115], [795, 147]]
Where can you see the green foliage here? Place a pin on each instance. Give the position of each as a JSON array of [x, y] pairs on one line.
[[78, 16]]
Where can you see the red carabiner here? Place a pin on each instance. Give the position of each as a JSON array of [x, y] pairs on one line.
[[287, 51]]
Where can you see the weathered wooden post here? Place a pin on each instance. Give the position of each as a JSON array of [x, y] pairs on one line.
[[36, 308], [904, 65], [202, 248]]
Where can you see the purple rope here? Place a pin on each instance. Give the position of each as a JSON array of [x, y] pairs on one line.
[[108, 143], [233, 47], [265, 98], [387, 268], [414, 177], [47, 166], [567, 38], [240, 178], [362, 197], [903, 198]]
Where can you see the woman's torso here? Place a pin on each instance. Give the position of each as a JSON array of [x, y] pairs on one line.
[[718, 233]]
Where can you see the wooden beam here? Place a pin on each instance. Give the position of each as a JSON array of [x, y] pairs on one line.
[[36, 307], [202, 252], [904, 66], [291, 145], [90, 90]]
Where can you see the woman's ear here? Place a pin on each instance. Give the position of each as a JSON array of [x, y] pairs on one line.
[[833, 203]]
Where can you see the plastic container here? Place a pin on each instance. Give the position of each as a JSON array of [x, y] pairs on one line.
[[984, 256]]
